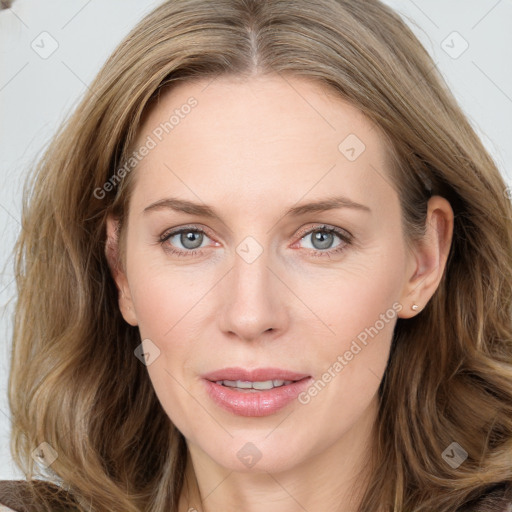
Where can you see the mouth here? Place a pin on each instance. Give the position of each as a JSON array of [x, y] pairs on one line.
[[258, 392]]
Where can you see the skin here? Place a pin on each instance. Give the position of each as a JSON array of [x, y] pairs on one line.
[[251, 149]]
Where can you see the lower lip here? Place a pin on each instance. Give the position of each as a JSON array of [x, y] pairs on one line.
[[255, 403]]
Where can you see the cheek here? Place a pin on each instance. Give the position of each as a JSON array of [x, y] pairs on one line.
[[360, 307], [357, 296], [166, 293], [168, 304], [173, 306]]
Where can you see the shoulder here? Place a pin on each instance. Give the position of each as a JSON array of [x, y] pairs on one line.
[[16, 495]]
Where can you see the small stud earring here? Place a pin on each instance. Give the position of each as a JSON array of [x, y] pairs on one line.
[[415, 307]]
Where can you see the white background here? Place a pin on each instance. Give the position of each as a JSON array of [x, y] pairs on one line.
[[36, 94]]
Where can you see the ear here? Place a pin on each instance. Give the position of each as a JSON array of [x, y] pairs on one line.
[[428, 258], [112, 252]]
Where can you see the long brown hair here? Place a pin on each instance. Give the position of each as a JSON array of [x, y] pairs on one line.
[[75, 382]]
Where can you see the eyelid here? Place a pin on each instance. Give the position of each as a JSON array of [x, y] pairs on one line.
[[343, 233], [175, 231]]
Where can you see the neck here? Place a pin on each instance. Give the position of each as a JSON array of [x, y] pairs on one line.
[[334, 478]]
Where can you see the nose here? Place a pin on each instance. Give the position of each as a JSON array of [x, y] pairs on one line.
[[253, 300]]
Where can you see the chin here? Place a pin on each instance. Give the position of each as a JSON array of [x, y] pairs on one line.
[[258, 452]]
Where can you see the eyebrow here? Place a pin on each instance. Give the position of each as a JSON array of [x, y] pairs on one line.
[[202, 210]]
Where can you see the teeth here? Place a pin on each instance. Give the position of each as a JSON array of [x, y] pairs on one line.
[[268, 384], [261, 385], [242, 384]]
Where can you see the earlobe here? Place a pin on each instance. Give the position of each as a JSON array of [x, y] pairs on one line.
[[429, 257], [112, 253]]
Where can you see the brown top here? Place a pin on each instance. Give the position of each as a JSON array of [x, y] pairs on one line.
[[497, 499], [15, 497]]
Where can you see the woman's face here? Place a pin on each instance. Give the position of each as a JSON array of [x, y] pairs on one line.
[[291, 266]]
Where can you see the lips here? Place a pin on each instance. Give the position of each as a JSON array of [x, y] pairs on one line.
[[258, 392]]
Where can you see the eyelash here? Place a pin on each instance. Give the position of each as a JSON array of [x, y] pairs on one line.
[[343, 235]]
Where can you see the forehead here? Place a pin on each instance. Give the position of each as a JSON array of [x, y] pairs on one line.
[[259, 134]]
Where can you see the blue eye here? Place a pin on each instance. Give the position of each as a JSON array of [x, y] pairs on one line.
[[190, 239], [323, 237]]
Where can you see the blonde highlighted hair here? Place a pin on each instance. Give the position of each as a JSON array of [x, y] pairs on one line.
[[75, 383]]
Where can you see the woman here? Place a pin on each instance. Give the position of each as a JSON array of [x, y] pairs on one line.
[[265, 266]]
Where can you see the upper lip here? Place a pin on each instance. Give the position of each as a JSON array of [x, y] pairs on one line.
[[254, 375]]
